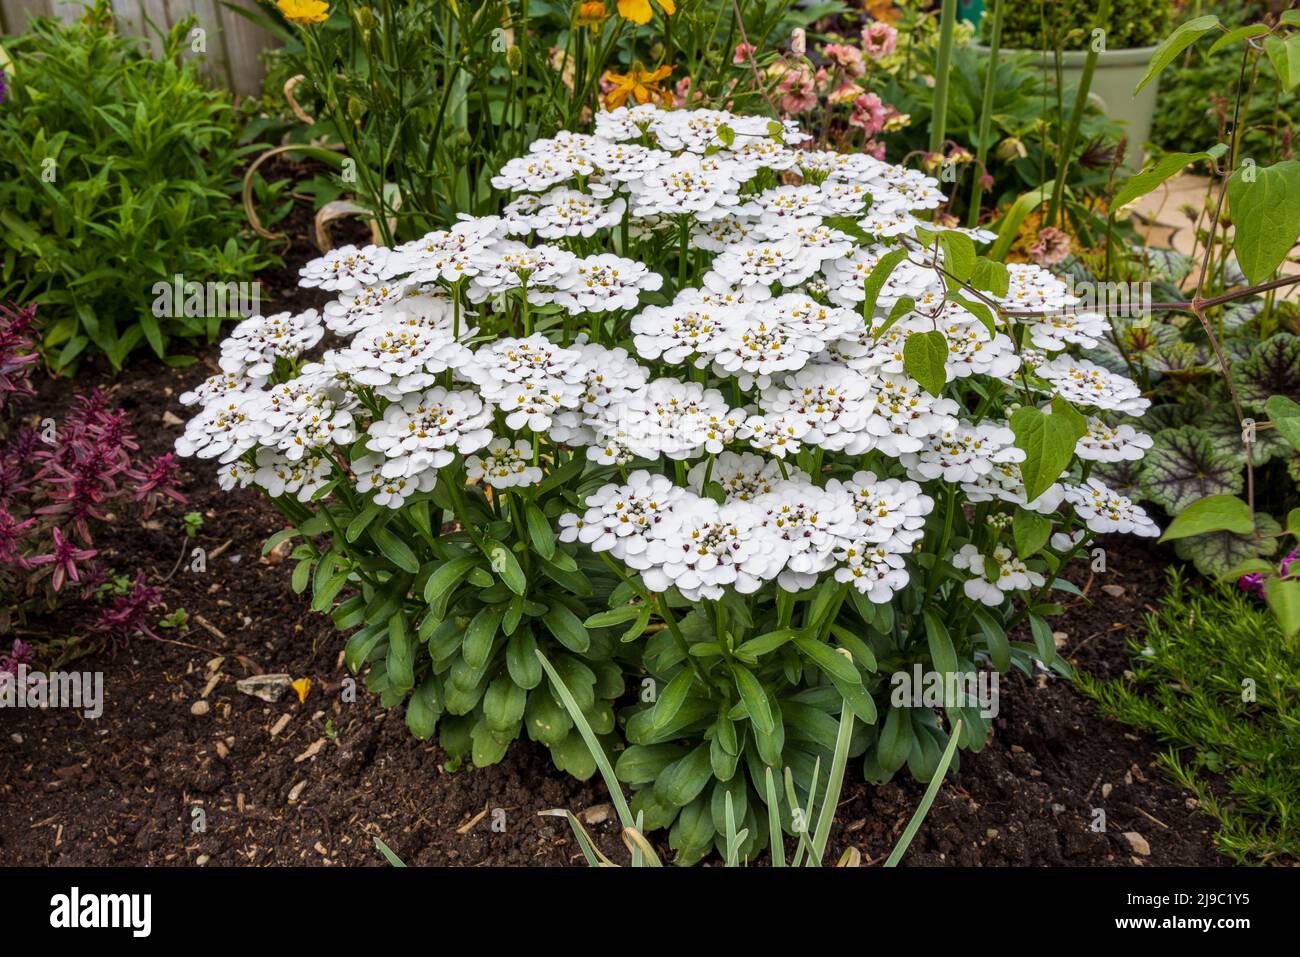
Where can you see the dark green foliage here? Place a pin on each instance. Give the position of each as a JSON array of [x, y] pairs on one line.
[[1039, 24], [117, 171]]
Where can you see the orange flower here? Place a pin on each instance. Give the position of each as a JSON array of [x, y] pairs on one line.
[[591, 14], [638, 83], [639, 12]]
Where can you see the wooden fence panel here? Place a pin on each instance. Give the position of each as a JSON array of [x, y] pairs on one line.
[[233, 45]]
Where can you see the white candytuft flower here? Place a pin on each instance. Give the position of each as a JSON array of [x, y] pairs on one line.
[[504, 465], [1105, 511], [1107, 443], [995, 576], [1087, 383], [345, 268], [423, 431], [253, 346], [603, 283]]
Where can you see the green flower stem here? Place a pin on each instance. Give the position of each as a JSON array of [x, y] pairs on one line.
[[664, 612], [1076, 117], [932, 580], [986, 115], [938, 121]]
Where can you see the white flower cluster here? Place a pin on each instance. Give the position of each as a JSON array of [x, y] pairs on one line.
[[767, 528], [770, 354]]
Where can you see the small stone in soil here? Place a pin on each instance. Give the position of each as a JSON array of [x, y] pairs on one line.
[[200, 708], [1138, 843], [1114, 591], [270, 688]]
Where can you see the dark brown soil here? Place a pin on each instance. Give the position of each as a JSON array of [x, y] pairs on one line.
[[129, 787]]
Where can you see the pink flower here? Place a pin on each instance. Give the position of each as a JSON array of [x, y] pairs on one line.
[[1254, 582], [797, 89], [869, 114], [1052, 247], [681, 92], [879, 39], [847, 58], [744, 53], [874, 149]]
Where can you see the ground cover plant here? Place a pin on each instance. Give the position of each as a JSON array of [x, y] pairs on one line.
[[1213, 677], [116, 172], [59, 481], [732, 440]]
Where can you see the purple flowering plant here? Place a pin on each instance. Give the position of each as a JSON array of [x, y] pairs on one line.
[[59, 481]]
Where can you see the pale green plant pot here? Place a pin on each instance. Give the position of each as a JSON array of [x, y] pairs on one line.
[[1113, 80]]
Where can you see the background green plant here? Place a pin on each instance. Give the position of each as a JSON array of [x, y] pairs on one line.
[[116, 172], [430, 98], [1060, 24], [1213, 426]]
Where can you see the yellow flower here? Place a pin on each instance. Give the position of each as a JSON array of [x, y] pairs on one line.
[[591, 14], [302, 686], [304, 11], [639, 84], [639, 12]]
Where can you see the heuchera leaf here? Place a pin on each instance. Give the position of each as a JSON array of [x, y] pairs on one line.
[[1223, 428], [1272, 369], [1220, 552], [1185, 465], [1266, 216]]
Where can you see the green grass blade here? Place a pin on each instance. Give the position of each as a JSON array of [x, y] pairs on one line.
[[775, 835], [830, 804], [918, 816], [388, 853]]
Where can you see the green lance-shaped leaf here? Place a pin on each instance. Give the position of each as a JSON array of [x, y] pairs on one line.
[[879, 276], [1174, 44], [1138, 185], [1284, 413], [506, 565], [1266, 216], [1217, 513]]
